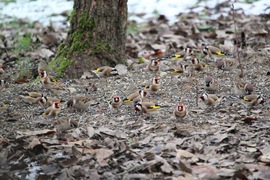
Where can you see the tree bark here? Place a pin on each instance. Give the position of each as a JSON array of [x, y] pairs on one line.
[[96, 37]]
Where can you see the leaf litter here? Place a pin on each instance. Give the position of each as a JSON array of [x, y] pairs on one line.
[[221, 143]]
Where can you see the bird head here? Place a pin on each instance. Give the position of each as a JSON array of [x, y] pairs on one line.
[[71, 103], [180, 107], [114, 71], [56, 105], [116, 98], [204, 96], [248, 88], [220, 65], [208, 81], [156, 80], [137, 106]]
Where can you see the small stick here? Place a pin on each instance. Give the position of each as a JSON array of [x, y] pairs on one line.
[[237, 50]]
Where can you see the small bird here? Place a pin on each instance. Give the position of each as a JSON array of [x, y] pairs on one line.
[[182, 55], [47, 101], [105, 71], [31, 100], [178, 71], [3, 84], [198, 65], [155, 85], [210, 99], [136, 96], [154, 66], [242, 88], [146, 107], [80, 103], [49, 83], [251, 100], [211, 85], [180, 111], [214, 52], [226, 64], [53, 110], [115, 103]]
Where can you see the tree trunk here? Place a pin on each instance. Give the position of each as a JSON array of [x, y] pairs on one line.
[[96, 37]]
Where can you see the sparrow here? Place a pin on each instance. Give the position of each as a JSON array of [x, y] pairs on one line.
[[80, 103], [153, 66], [53, 110], [226, 64], [198, 65], [3, 84], [105, 71], [242, 88], [211, 85], [214, 52], [44, 66], [136, 96], [180, 111], [155, 85], [210, 99], [251, 100], [146, 107], [115, 103], [177, 71]]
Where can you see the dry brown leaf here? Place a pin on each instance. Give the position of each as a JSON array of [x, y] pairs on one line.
[[33, 143], [102, 155], [185, 154]]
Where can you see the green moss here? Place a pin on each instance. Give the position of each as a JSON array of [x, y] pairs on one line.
[[101, 47], [79, 42], [60, 64]]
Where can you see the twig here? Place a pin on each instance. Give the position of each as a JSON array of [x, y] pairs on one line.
[[237, 50]]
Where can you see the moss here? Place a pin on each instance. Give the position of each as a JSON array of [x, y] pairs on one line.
[[60, 64], [79, 42], [101, 47]]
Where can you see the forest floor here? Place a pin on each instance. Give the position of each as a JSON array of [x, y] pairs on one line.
[[218, 143]]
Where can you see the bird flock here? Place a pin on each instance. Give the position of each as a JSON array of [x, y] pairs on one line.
[[180, 64]]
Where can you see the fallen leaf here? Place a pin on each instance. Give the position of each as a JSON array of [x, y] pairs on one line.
[[185, 154], [102, 155]]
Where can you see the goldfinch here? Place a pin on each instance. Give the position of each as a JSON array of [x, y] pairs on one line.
[[214, 52], [178, 71], [53, 111], [226, 64], [32, 100], [146, 107], [47, 101], [211, 85], [182, 55], [153, 66], [210, 99], [242, 88], [115, 103], [105, 71], [198, 65], [49, 83], [155, 85], [180, 111], [80, 103], [251, 100], [136, 96]]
